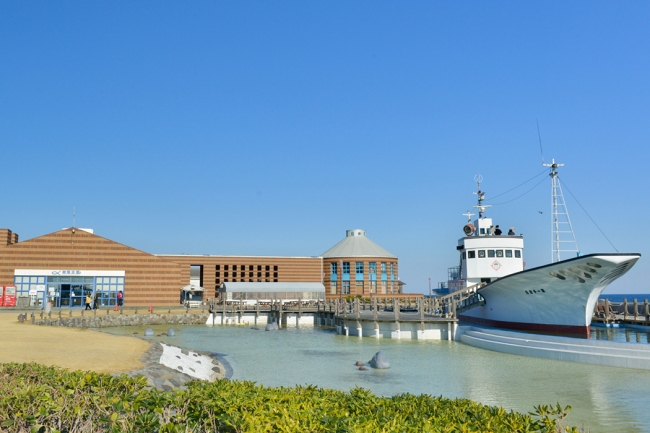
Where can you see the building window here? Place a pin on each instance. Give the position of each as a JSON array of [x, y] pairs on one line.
[[259, 275], [225, 274], [259, 267], [392, 268], [481, 254], [517, 254], [225, 267], [234, 267], [218, 267], [373, 287], [275, 268], [359, 288], [359, 267], [383, 267], [373, 267], [250, 274], [334, 268], [346, 287], [508, 253], [268, 268], [471, 254], [346, 267], [383, 287], [218, 274], [250, 267], [275, 275], [333, 288]]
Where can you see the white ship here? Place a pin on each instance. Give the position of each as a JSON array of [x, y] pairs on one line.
[[555, 298]]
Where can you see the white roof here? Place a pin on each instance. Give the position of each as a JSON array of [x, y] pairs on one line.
[[356, 244], [272, 287], [192, 288]]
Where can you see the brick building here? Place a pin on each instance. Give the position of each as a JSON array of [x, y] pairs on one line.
[[66, 265]]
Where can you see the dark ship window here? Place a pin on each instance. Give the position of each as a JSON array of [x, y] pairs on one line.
[[508, 253], [594, 265], [585, 268], [471, 254], [561, 277], [481, 254], [517, 254], [499, 253]]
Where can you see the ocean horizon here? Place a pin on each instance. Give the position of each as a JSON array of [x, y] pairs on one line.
[[619, 297]]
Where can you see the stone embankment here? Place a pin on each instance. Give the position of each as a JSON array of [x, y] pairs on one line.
[[111, 320]]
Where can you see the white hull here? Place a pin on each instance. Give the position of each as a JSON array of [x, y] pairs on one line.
[[536, 300]]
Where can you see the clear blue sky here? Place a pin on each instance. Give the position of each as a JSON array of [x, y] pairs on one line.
[[269, 128]]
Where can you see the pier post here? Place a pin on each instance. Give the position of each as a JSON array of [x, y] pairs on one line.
[[625, 309], [636, 309], [376, 329], [359, 329], [606, 310], [646, 309], [374, 309]]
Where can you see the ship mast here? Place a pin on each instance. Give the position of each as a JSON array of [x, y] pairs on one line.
[[561, 228]]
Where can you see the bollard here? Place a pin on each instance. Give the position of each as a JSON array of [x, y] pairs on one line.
[[646, 309], [636, 309], [116, 307]]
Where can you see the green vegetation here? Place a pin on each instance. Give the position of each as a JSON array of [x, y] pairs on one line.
[[35, 398]]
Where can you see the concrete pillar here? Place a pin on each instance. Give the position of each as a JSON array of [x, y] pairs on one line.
[[607, 310], [646, 309], [625, 309], [359, 329], [636, 309]]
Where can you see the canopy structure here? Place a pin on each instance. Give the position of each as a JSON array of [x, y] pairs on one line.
[[264, 291]]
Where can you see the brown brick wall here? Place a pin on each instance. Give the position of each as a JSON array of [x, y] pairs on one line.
[[289, 269], [365, 290], [148, 279]]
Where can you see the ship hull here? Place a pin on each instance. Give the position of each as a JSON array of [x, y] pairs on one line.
[[558, 298]]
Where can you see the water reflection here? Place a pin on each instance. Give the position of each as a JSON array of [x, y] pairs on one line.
[[603, 398], [620, 335]]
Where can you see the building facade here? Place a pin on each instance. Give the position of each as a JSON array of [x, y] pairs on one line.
[[65, 266]]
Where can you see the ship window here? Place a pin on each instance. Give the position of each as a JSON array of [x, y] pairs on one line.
[[481, 254], [594, 265], [584, 268], [490, 253], [471, 254], [499, 253], [542, 290], [482, 231], [561, 277], [508, 253], [517, 254]]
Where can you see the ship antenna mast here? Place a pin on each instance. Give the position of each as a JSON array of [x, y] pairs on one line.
[[480, 195], [561, 228]]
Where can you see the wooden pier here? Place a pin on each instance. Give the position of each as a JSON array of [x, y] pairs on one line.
[[401, 318], [622, 313]]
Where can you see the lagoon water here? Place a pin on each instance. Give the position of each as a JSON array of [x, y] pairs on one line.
[[604, 399]]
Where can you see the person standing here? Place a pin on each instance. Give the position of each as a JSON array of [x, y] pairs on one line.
[[120, 298], [511, 232], [95, 306], [497, 231], [89, 300]]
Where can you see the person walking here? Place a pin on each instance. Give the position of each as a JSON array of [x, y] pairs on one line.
[[95, 306], [120, 298], [89, 300]]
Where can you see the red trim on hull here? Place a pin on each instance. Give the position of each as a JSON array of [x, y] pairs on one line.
[[582, 331]]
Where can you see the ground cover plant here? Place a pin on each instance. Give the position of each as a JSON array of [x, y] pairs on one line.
[[36, 398]]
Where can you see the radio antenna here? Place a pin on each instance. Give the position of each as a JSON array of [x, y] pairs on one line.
[[540, 141]]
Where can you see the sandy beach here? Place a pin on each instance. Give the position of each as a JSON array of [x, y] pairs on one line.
[[76, 349]]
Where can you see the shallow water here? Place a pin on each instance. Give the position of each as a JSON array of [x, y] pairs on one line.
[[603, 398]]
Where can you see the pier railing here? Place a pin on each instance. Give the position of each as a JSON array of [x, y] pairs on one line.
[[622, 312], [443, 307]]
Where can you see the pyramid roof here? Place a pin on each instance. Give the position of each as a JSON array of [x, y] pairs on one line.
[[356, 244]]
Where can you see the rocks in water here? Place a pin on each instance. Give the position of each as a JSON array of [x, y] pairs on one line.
[[379, 361], [362, 368], [171, 332], [273, 326], [359, 363], [148, 332]]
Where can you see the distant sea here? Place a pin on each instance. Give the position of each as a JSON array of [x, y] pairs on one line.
[[616, 297]]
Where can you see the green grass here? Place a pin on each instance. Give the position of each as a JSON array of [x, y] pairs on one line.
[[35, 398]]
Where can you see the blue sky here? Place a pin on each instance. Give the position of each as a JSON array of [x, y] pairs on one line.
[[269, 128]]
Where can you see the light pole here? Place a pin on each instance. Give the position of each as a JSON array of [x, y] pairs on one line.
[[430, 294]]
